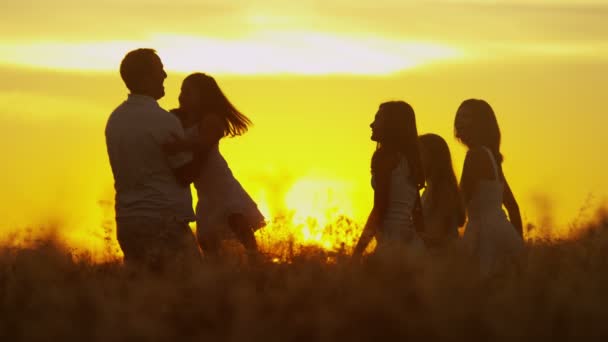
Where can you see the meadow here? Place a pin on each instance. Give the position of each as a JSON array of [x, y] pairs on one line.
[[557, 291]]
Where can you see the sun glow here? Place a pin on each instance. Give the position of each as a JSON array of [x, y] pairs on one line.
[[318, 199], [295, 52], [317, 214]]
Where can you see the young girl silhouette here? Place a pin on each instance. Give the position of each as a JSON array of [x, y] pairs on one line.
[[397, 177], [441, 201], [491, 237], [223, 205]]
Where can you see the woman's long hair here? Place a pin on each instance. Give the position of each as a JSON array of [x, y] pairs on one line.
[[440, 172], [214, 101], [483, 130], [401, 134]]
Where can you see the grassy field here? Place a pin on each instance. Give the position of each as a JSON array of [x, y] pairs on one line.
[[559, 292]]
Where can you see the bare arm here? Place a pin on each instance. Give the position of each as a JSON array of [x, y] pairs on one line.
[[187, 173], [512, 208], [210, 132], [382, 171], [368, 233], [470, 174]]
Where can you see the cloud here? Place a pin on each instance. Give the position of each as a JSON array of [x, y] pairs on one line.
[[474, 21], [307, 53], [438, 20], [86, 19]]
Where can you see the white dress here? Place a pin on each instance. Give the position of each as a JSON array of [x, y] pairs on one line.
[[439, 230], [397, 228], [220, 194], [489, 235]]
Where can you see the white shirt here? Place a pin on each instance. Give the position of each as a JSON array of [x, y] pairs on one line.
[[143, 177]]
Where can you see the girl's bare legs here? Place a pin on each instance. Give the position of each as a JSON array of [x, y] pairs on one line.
[[210, 243], [244, 233]]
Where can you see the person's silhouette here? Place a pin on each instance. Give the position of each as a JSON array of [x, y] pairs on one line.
[[397, 176], [223, 204], [153, 200], [490, 236], [441, 201]]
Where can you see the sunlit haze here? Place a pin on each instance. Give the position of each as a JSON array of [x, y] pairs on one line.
[[310, 75]]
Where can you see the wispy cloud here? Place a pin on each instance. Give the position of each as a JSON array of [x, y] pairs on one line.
[[304, 37], [441, 20], [264, 53]]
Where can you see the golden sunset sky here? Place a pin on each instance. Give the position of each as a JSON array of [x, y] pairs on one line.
[[310, 75]]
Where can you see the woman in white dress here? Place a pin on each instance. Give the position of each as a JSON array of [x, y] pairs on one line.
[[492, 238], [223, 205], [397, 177], [441, 201]]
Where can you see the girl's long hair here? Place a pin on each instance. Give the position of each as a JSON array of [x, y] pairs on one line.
[[484, 130], [401, 134], [446, 195], [214, 101]]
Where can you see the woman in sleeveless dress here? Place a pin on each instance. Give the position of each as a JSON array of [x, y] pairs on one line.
[[442, 204], [397, 177], [491, 236], [223, 205]]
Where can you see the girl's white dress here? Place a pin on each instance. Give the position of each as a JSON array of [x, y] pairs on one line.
[[397, 228], [439, 230], [220, 194], [489, 235]]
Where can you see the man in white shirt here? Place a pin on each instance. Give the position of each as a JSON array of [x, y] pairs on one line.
[[153, 200]]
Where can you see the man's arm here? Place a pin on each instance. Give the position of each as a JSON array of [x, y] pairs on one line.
[[188, 172], [185, 155], [210, 131]]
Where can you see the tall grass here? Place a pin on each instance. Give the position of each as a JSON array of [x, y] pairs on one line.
[[558, 292]]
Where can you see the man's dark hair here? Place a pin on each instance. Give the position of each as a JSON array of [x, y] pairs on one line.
[[135, 65]]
